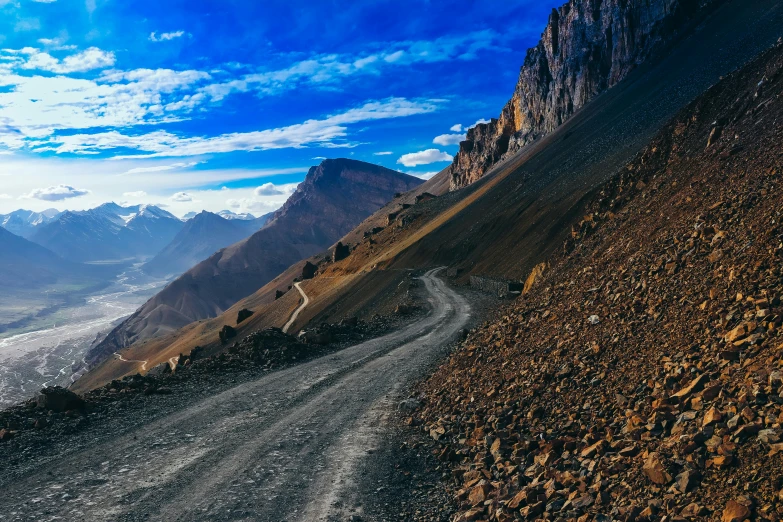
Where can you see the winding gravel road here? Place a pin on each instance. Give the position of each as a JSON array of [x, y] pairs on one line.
[[284, 447]]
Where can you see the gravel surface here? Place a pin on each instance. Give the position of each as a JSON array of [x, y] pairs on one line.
[[286, 446]]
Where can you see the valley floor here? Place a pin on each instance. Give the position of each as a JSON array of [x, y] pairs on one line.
[[291, 445]]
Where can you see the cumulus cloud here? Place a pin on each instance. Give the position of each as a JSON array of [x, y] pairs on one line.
[[424, 157], [456, 128], [329, 132], [56, 193], [87, 60], [449, 139], [164, 37], [181, 197], [268, 189], [136, 194], [383, 153]]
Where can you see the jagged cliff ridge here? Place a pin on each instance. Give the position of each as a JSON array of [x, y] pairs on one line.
[[587, 47]]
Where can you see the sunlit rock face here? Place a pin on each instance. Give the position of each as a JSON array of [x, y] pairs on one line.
[[587, 47]]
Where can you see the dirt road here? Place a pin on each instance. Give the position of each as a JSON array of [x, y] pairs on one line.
[[282, 447], [305, 302]]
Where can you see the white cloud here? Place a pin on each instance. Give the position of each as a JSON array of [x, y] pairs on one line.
[[163, 37], [5, 196], [424, 157], [449, 139], [56, 193], [87, 60], [328, 132], [136, 194], [181, 197], [423, 175], [268, 189], [162, 168], [479, 122], [326, 69], [44, 1], [456, 128], [383, 153]]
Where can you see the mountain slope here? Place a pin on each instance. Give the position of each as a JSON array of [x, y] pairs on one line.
[[202, 236], [648, 355], [586, 48], [108, 232], [26, 265], [24, 223], [334, 197]]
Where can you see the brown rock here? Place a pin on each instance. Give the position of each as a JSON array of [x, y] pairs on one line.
[[712, 416], [479, 494], [695, 385], [655, 470], [736, 512]]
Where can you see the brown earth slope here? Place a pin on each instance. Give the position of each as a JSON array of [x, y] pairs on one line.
[[334, 197], [640, 379]]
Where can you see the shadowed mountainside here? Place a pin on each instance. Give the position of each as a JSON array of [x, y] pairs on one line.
[[202, 236]]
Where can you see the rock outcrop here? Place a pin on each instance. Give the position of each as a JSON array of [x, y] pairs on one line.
[[587, 47]]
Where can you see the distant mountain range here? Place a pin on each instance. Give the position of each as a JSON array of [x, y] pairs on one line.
[[109, 232], [334, 197], [25, 265], [24, 223], [203, 235]]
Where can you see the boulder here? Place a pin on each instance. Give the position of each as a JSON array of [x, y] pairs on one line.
[[340, 252], [309, 270], [58, 399], [227, 333], [244, 314]]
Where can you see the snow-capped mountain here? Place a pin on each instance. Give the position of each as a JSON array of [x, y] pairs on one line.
[[109, 232], [25, 222], [227, 214]]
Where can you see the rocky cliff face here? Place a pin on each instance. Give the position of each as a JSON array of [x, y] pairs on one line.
[[587, 47]]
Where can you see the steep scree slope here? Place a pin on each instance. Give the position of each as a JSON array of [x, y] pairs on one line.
[[641, 377]]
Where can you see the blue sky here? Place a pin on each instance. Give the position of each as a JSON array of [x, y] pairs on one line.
[[211, 105]]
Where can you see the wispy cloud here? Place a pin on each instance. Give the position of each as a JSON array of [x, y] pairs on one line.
[[326, 69], [383, 153], [135, 194], [161, 168], [424, 157], [456, 128], [164, 37], [328, 132]]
